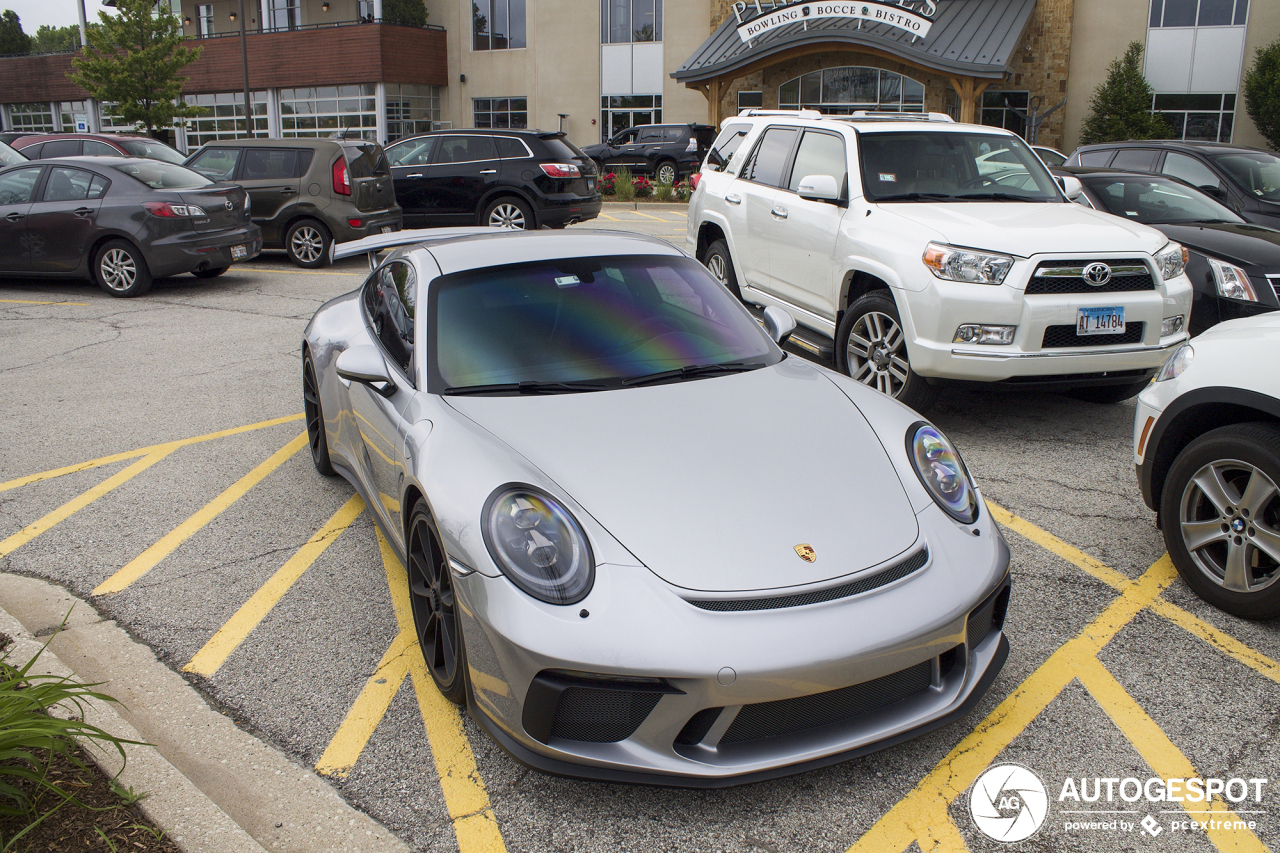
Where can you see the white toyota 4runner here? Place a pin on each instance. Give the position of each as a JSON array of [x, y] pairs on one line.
[[915, 250]]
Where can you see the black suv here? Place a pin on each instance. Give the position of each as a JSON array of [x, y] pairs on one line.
[[501, 178], [307, 193], [1247, 180], [666, 151]]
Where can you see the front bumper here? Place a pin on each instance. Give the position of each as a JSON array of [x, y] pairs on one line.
[[192, 250]]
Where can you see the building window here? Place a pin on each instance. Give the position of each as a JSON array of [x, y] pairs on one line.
[[498, 24], [841, 91], [1199, 13], [750, 100], [284, 14], [224, 117], [109, 122], [204, 21], [411, 109], [31, 118], [501, 112], [1200, 118], [364, 9], [619, 112], [999, 109], [67, 114], [624, 21], [322, 110]]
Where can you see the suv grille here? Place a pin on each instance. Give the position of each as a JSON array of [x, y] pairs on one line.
[[1127, 274], [1065, 336]]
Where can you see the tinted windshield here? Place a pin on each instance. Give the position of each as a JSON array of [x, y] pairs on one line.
[[367, 161], [152, 150], [9, 157], [1153, 200], [562, 149], [952, 166], [597, 320], [162, 176], [1255, 172]]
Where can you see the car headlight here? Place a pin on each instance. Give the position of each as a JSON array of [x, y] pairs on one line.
[[942, 472], [1232, 281], [1177, 362], [538, 545], [952, 264], [1171, 260]]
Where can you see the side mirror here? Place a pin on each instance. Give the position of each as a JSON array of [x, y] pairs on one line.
[[778, 323], [1071, 187], [364, 364], [1217, 192], [818, 188]]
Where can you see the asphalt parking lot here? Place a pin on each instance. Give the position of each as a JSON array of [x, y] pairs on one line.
[[152, 461]]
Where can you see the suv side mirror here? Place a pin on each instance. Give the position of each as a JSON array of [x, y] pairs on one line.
[[1217, 192], [818, 188], [1071, 187], [364, 364], [778, 324]]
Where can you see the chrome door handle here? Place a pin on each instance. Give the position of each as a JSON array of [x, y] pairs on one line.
[[733, 199], [488, 171], [413, 176], [779, 213]]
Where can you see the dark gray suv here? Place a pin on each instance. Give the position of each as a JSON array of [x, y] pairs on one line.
[[307, 193]]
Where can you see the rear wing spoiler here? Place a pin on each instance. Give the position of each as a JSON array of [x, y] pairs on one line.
[[375, 243]]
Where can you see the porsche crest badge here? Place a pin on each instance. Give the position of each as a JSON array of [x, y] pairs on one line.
[[805, 552]]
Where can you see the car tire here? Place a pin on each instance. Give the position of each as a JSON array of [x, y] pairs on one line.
[[508, 212], [307, 243], [1107, 394], [212, 272], [313, 411], [120, 269], [871, 347], [1218, 563], [718, 262], [436, 616], [666, 173]]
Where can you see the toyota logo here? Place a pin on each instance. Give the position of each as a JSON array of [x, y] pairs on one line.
[[1096, 274]]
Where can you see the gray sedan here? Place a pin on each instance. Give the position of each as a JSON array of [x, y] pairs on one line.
[[643, 543]]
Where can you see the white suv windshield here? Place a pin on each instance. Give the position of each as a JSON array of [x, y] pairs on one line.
[[914, 165]]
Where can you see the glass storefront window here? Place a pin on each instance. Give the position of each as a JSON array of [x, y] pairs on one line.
[[501, 112], [999, 109], [411, 109], [224, 117], [619, 112], [1199, 118], [625, 21], [1199, 13], [322, 110], [841, 91], [31, 118]]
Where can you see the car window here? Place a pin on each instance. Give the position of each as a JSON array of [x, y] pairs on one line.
[[367, 160], [67, 184], [99, 187], [32, 152], [18, 186], [60, 148], [1256, 172], [217, 163], [391, 299], [161, 176], [649, 135], [624, 138], [1135, 159], [675, 134], [10, 157], [1051, 157], [726, 144], [510, 148], [770, 157], [819, 154], [466, 149], [947, 165], [1096, 158], [562, 149], [412, 152], [305, 156], [1190, 170], [152, 150], [1157, 200], [269, 164], [98, 148]]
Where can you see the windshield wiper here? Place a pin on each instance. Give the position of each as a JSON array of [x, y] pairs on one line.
[[690, 371], [527, 388], [1206, 221], [912, 196], [999, 197]]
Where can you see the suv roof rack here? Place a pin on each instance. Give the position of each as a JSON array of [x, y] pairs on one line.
[[793, 113], [875, 115]]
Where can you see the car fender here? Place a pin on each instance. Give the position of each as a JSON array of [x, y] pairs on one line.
[[714, 217], [506, 189]]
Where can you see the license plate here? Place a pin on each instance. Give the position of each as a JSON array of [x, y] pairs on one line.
[[591, 183], [1100, 321], [386, 229], [239, 253]]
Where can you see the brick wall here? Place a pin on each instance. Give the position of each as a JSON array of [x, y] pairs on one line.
[[1040, 63]]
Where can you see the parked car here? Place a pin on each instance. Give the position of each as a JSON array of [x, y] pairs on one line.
[[555, 448], [49, 146], [1247, 180], [1233, 265], [1050, 156], [1206, 438], [501, 178], [307, 193], [122, 221], [911, 262], [8, 137], [666, 151], [10, 157]]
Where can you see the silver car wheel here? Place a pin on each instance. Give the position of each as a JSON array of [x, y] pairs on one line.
[[119, 270], [716, 266], [507, 215], [877, 353], [307, 243], [1228, 519], [666, 174]]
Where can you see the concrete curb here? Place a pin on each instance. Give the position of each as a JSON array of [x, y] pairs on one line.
[[213, 787]]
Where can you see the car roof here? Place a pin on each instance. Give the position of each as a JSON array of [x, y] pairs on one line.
[[472, 250], [301, 142], [874, 124], [105, 137], [1182, 144]]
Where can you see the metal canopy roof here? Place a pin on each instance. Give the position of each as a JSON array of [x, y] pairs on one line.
[[971, 37]]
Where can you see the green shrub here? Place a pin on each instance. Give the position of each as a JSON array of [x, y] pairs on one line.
[[1121, 107], [624, 187], [663, 192], [1262, 93]]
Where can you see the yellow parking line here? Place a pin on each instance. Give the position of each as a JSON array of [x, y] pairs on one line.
[[37, 302], [31, 531], [288, 271], [610, 218], [648, 216], [238, 627], [367, 711], [142, 451], [1159, 752], [1052, 543], [149, 558]]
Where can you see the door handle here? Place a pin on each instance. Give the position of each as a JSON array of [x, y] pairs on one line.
[[16, 217], [287, 191], [488, 171], [733, 199], [82, 211], [419, 175], [779, 213]]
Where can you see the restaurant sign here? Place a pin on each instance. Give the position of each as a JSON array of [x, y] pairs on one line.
[[870, 11]]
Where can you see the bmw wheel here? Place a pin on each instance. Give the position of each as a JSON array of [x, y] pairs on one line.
[[508, 213], [121, 270], [666, 172], [314, 414], [307, 243], [871, 346], [435, 608], [1221, 515]]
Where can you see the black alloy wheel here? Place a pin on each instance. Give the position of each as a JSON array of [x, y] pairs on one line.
[[315, 419], [435, 608]]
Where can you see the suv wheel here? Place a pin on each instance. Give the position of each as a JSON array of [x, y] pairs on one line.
[[666, 172], [872, 348], [508, 213], [307, 243], [717, 261]]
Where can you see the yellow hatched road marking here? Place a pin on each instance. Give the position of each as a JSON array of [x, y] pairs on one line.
[[142, 451], [610, 218], [367, 711], [229, 637], [151, 557], [1223, 642], [38, 302], [649, 216]]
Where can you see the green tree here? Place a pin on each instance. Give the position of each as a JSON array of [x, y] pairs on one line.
[[1121, 107], [12, 38], [409, 13], [1262, 93], [134, 60], [51, 39]]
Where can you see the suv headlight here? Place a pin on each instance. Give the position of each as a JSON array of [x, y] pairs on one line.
[[952, 264], [1177, 362], [1232, 281], [942, 472], [538, 545], [1171, 260]]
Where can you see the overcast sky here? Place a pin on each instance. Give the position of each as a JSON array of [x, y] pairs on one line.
[[55, 13]]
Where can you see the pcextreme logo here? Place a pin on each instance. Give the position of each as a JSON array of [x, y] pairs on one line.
[[1008, 803]]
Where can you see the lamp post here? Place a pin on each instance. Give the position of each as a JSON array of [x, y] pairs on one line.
[[244, 61]]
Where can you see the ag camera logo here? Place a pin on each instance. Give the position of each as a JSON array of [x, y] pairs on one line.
[[1008, 803]]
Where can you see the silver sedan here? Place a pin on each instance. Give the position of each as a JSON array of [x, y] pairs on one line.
[[644, 543]]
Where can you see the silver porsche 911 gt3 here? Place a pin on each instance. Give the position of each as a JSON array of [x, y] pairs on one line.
[[644, 543]]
